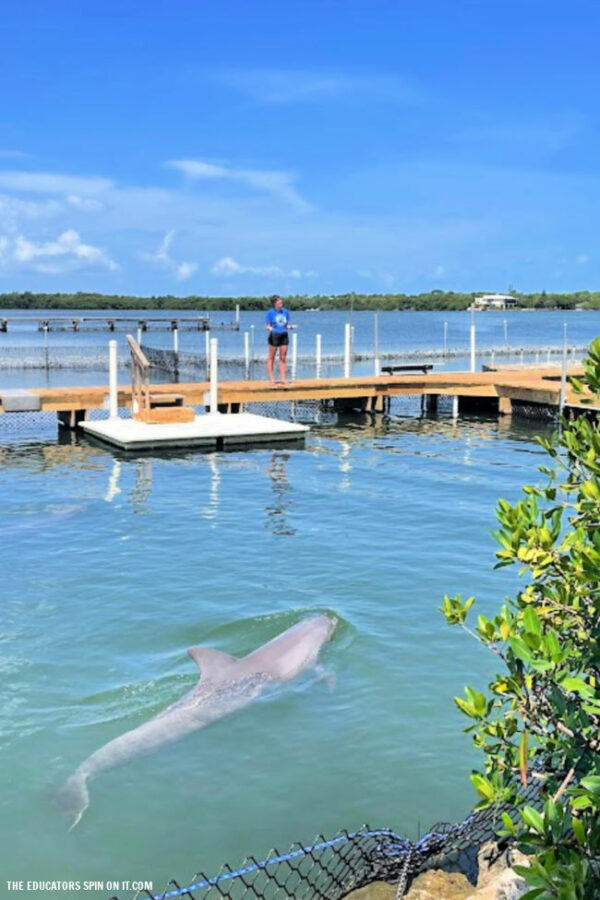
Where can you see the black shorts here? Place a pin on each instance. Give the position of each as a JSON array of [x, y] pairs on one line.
[[278, 340]]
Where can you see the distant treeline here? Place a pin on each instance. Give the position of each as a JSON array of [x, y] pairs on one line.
[[449, 300]]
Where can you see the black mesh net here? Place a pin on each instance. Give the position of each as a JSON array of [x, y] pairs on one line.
[[331, 868]]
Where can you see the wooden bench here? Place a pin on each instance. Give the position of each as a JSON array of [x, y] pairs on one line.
[[393, 370], [153, 408]]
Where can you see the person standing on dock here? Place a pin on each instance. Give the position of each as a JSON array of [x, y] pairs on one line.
[[278, 325]]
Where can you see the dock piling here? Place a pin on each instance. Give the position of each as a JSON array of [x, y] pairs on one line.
[[347, 350], [294, 355], [113, 406], [247, 354], [214, 405]]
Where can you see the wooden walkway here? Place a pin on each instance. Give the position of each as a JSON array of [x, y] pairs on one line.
[[501, 388]]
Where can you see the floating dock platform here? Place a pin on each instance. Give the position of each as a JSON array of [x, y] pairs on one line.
[[216, 431]]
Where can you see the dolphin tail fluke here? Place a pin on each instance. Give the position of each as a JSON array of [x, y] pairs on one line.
[[74, 797]]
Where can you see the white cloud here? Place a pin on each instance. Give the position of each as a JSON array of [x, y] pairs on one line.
[[227, 267], [181, 270], [582, 259], [50, 183], [13, 209], [86, 204], [280, 184], [185, 270], [67, 252], [303, 86]]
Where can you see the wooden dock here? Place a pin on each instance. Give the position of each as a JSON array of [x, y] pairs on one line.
[[498, 390]]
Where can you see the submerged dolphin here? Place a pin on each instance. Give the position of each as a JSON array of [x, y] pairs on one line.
[[226, 684]]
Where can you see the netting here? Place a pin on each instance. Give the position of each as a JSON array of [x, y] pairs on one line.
[[175, 362], [330, 869]]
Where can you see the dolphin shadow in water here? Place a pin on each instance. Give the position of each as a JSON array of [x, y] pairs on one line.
[[226, 685]]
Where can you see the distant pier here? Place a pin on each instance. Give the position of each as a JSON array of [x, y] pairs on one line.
[[117, 323]]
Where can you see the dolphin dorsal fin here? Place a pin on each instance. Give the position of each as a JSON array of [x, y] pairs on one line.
[[211, 663]]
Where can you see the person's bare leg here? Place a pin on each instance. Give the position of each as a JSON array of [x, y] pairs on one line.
[[270, 363], [282, 364]]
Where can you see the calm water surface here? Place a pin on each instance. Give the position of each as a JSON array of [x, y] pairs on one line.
[[112, 567]]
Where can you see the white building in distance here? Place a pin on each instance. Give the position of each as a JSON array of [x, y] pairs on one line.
[[495, 301]]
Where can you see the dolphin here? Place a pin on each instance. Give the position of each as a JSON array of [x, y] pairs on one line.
[[226, 685]]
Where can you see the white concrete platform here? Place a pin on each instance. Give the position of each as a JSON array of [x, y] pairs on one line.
[[211, 431]]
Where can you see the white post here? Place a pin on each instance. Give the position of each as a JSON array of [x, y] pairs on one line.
[[318, 357], [252, 351], [207, 350], [237, 316], [376, 363], [139, 337], [113, 405], [214, 345], [472, 341], [294, 354], [455, 406], [347, 343], [445, 339], [176, 340], [563, 374], [247, 353], [506, 333]]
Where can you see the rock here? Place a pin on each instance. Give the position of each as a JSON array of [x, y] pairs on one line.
[[378, 890], [497, 881], [432, 885], [506, 886], [438, 885]]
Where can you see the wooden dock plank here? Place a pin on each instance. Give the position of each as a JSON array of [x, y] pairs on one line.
[[539, 385]]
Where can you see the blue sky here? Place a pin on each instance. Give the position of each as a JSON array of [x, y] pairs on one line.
[[232, 148]]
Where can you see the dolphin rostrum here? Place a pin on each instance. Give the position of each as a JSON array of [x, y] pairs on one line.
[[226, 684]]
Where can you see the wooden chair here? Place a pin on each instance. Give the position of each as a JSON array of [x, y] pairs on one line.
[[158, 408]]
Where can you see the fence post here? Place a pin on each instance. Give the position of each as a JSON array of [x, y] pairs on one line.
[[347, 343], [318, 357], [214, 405], [207, 351], [237, 316], [252, 351], [563, 374], [294, 354], [113, 405]]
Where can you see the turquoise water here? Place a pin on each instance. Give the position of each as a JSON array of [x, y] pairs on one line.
[[113, 567]]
